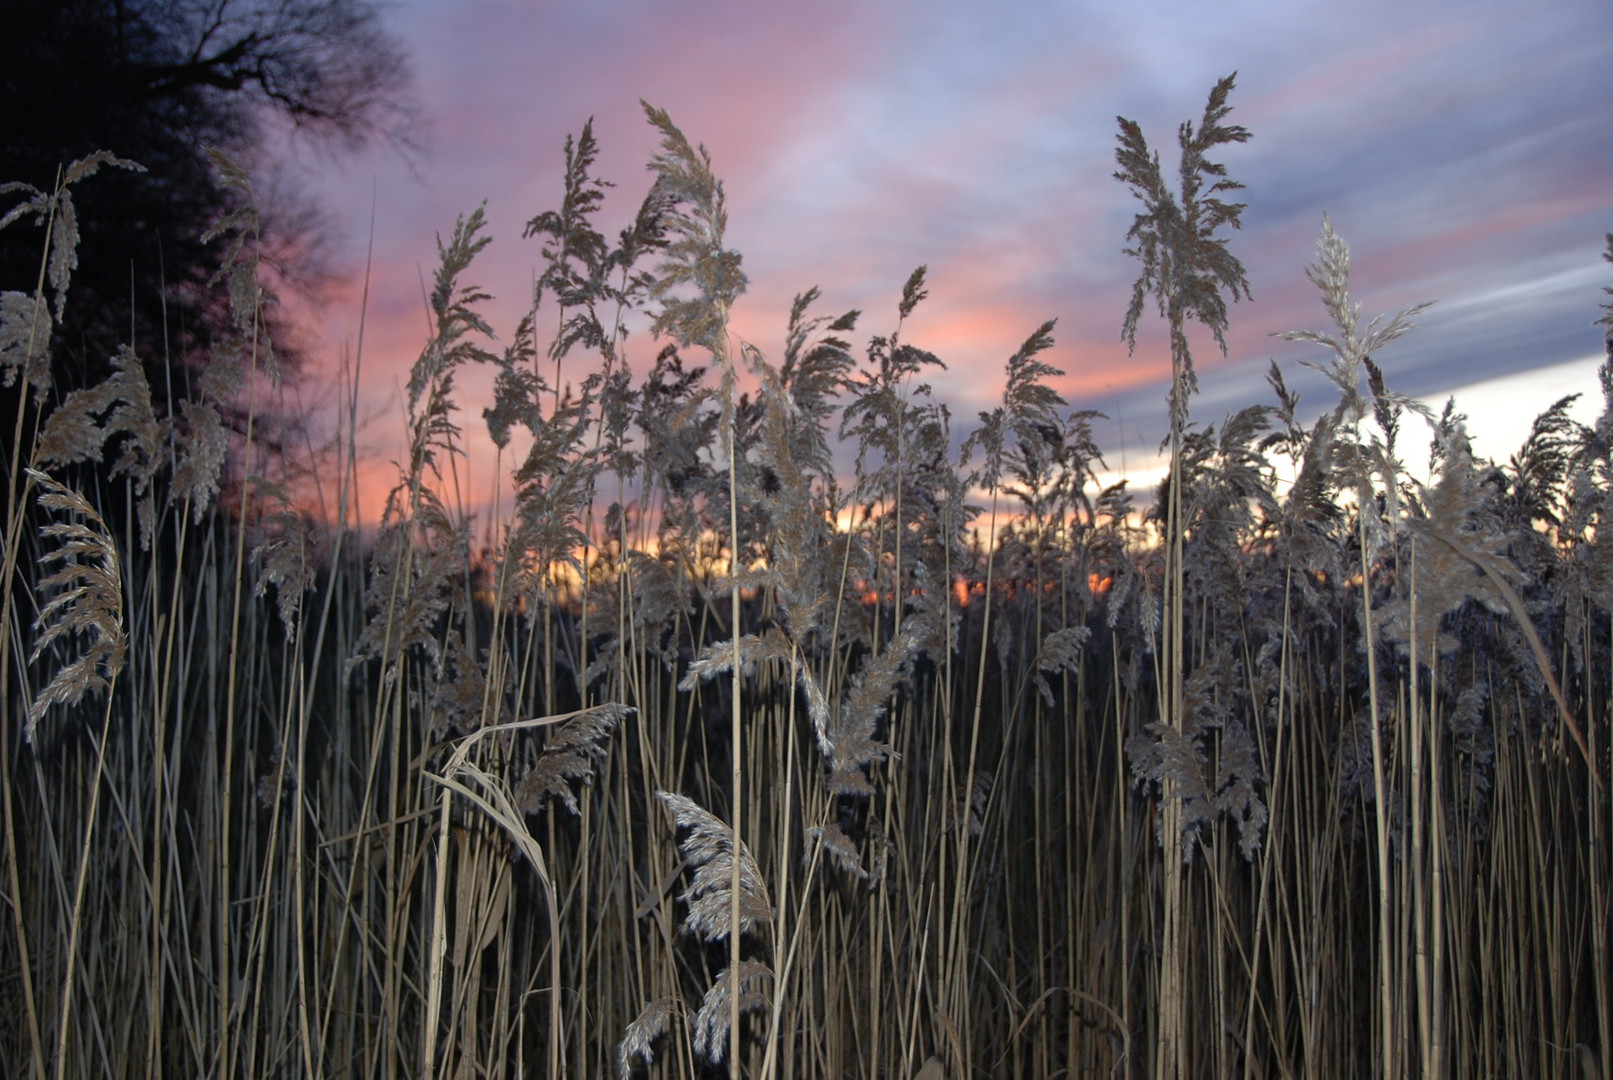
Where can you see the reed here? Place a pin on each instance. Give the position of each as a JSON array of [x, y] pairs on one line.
[[778, 732]]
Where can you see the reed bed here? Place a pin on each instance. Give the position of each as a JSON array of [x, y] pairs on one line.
[[791, 732]]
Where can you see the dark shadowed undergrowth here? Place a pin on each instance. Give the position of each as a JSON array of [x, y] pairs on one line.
[[719, 758]]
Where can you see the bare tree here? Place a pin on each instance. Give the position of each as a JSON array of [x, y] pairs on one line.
[[160, 82], [328, 66]]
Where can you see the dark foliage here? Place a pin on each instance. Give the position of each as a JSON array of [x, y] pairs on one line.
[[159, 82]]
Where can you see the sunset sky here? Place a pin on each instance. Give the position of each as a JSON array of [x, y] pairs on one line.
[[1464, 151]]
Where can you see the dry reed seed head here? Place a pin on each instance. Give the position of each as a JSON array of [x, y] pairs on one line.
[[1590, 557], [1029, 409], [239, 270], [75, 430], [84, 599], [132, 415], [1004, 642], [718, 659], [659, 599], [430, 554], [575, 254], [793, 452], [1594, 456], [1330, 273], [933, 618], [1539, 470], [817, 707], [815, 376], [1385, 409], [1312, 507], [73, 433], [694, 217], [1060, 652], [709, 896], [455, 326], [517, 387], [1184, 265], [1179, 761], [1352, 346], [555, 488], [142, 458], [277, 783], [459, 698], [432, 430], [242, 224], [570, 754], [1446, 543], [25, 339], [282, 554], [709, 849], [1227, 502], [711, 1021], [120, 408], [619, 402], [913, 292], [839, 847], [1237, 784], [203, 445], [890, 414], [57, 210], [973, 800], [853, 741], [639, 1040], [1175, 761], [221, 381]]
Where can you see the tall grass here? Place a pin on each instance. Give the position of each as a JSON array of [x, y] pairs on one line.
[[722, 755]]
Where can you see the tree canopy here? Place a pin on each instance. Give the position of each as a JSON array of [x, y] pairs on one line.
[[160, 82]]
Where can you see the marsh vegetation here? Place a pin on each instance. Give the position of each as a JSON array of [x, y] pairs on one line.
[[786, 727]]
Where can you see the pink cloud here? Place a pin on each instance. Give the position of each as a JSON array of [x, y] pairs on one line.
[[856, 141]]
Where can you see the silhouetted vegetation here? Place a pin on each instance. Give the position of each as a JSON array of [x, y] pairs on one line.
[[713, 759]]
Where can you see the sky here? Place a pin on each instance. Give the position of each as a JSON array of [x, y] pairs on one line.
[[1464, 151]]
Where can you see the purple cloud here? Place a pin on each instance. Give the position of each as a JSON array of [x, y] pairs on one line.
[[1464, 154]]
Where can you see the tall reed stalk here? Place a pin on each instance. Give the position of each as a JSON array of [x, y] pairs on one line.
[[773, 730]]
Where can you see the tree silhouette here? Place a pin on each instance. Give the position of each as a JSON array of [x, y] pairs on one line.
[[159, 82]]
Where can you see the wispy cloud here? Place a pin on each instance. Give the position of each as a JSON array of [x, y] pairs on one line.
[[1464, 154]]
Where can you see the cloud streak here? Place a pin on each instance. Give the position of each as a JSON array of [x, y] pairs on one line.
[[1464, 154]]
